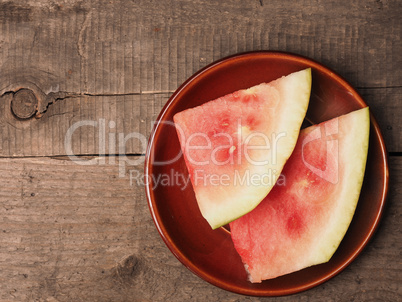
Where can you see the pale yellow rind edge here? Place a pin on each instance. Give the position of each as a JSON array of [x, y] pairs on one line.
[[328, 243]]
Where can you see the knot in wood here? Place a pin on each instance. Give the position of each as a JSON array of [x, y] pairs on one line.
[[24, 103]]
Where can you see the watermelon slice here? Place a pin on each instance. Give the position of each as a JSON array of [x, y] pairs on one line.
[[303, 219], [235, 147]]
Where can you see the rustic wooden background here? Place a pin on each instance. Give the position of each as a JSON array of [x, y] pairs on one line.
[[71, 232]]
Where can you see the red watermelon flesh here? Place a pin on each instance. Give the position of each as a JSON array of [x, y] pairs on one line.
[[236, 146], [304, 218]]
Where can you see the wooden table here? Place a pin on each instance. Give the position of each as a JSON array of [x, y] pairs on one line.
[[96, 71]]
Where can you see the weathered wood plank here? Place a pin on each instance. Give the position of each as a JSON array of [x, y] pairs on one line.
[[115, 117], [82, 233], [386, 105], [91, 125], [111, 53], [84, 45]]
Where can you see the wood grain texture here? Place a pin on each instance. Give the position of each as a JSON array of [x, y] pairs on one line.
[[72, 232], [82, 233], [118, 59]]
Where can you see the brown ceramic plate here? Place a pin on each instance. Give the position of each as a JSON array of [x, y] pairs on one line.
[[210, 253]]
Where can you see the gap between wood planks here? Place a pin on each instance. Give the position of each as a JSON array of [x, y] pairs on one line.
[[65, 157], [380, 87]]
